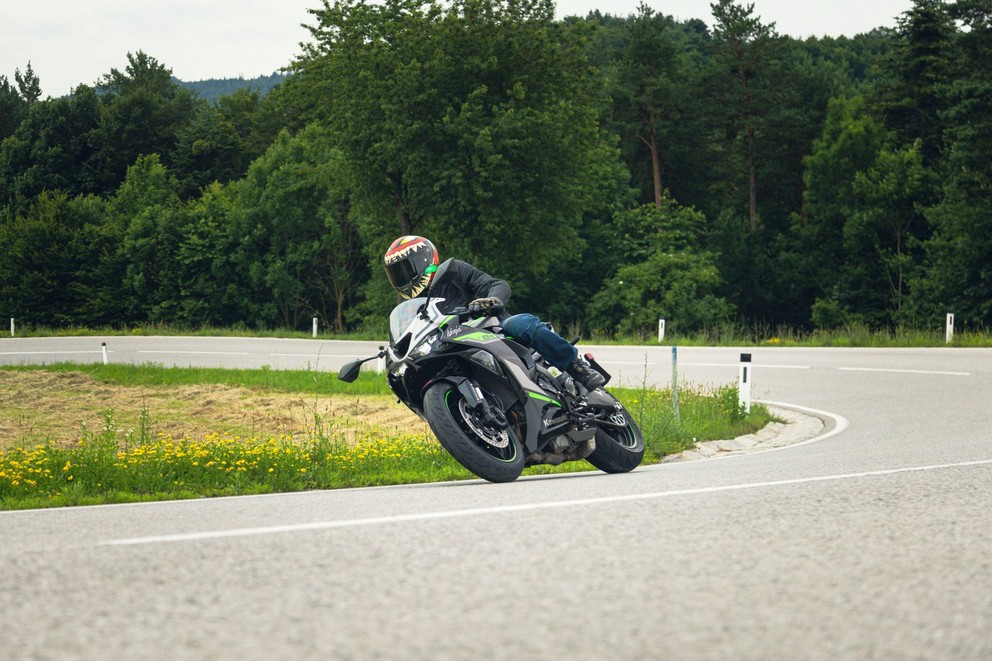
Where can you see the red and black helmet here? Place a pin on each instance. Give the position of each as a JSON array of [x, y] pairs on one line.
[[411, 262]]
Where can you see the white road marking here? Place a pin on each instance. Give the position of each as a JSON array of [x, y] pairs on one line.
[[316, 355], [201, 353], [879, 369], [504, 509], [734, 365], [42, 353]]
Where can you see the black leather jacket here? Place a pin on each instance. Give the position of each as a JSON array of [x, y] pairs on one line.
[[459, 283]]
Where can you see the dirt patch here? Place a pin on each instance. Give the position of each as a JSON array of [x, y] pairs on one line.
[[64, 407]]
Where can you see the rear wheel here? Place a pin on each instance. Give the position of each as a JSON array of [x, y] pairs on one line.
[[619, 443], [490, 451]]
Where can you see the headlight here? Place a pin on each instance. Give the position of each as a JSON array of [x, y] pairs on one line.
[[485, 359], [423, 348], [420, 351]]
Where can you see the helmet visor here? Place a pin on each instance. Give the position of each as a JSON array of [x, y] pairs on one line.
[[402, 275]]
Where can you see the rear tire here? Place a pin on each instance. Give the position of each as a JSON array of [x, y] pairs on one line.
[[619, 449], [492, 454]]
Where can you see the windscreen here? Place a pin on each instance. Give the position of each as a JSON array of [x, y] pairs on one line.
[[401, 317]]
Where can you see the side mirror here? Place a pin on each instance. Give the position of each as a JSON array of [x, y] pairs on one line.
[[350, 371]]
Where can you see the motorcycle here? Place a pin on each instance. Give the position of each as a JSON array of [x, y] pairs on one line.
[[495, 405]]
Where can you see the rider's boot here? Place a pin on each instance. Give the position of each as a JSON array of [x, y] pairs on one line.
[[583, 372]]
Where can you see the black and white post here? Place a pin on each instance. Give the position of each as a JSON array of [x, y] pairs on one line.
[[949, 334], [12, 327], [315, 326], [106, 360], [744, 384]]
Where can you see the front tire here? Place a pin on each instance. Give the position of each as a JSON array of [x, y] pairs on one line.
[[619, 447], [492, 454]]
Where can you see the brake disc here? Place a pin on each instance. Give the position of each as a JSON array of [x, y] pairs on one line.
[[498, 438]]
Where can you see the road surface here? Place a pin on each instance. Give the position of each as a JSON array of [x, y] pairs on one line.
[[872, 541]]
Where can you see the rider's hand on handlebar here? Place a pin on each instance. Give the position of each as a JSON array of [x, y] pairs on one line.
[[489, 305]]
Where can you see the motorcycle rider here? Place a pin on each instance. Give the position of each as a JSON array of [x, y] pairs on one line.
[[413, 268]]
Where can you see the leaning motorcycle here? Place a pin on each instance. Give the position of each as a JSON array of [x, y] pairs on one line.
[[495, 405]]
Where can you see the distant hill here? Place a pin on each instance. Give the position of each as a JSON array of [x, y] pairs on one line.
[[214, 88]]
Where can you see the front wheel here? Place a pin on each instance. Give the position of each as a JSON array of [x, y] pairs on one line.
[[491, 452], [619, 443]]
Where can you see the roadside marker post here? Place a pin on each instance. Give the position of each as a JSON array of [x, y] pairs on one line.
[[380, 365], [106, 360], [12, 327], [949, 334], [744, 385], [661, 330], [315, 326]]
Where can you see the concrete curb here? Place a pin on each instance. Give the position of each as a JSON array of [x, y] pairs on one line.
[[796, 428]]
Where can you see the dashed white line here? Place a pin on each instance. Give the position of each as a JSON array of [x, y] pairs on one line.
[[505, 509], [201, 353], [895, 371], [734, 365], [42, 353]]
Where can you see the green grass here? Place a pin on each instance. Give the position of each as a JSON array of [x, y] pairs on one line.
[[108, 466], [312, 382]]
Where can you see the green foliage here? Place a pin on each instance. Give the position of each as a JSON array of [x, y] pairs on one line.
[[666, 276], [472, 123], [836, 180]]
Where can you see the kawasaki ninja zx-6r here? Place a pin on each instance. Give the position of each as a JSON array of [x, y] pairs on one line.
[[494, 404]]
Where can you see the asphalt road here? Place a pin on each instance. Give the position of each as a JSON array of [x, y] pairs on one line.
[[874, 541]]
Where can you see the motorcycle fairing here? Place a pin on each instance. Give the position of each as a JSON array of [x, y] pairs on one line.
[[543, 412]]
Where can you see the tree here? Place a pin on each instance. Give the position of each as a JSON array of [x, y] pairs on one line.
[[28, 84], [664, 274], [743, 51], [883, 238], [298, 242], [475, 123], [147, 204], [958, 274], [647, 87], [43, 254], [12, 108], [143, 112], [920, 68], [52, 148], [850, 144]]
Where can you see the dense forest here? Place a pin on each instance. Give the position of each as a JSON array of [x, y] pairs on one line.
[[212, 89], [614, 169]]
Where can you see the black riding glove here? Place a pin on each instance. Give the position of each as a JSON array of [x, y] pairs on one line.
[[490, 305]]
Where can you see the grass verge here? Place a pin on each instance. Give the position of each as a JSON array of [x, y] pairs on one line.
[[111, 466]]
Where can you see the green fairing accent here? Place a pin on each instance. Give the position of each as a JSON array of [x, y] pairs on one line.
[[475, 321], [446, 320], [543, 398], [481, 336]]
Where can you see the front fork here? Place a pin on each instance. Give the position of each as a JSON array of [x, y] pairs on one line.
[[476, 400]]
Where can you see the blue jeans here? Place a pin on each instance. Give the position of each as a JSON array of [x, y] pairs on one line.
[[531, 332]]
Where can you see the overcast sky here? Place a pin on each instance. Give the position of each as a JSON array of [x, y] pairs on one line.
[[69, 42]]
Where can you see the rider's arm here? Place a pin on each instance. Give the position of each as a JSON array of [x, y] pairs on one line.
[[481, 284]]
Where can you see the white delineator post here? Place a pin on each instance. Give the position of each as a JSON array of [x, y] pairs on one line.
[[744, 385], [948, 335], [105, 359], [315, 326], [661, 330], [12, 327], [380, 365]]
